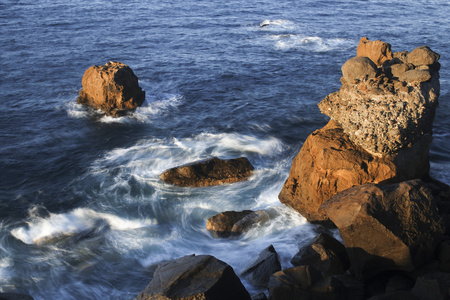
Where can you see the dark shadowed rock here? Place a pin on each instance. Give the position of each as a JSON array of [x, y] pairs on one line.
[[194, 277], [358, 68], [443, 256], [397, 295], [210, 172], [233, 223], [324, 253], [260, 296], [263, 267], [329, 163], [391, 227], [304, 282], [435, 286], [112, 88], [15, 296], [377, 51]]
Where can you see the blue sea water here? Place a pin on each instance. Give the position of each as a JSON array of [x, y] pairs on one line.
[[83, 214]]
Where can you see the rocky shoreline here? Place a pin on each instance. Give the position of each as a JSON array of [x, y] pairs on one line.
[[364, 173]]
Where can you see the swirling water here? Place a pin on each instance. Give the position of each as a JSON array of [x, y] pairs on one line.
[[82, 212]]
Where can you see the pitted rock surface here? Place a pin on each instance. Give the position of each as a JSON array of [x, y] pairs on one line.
[[393, 110]]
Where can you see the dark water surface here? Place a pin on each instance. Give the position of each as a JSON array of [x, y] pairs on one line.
[[217, 85]]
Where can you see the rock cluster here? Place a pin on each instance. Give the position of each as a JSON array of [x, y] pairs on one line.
[[112, 88], [210, 172], [380, 129]]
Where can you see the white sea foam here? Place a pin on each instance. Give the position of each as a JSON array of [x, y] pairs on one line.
[[151, 157], [277, 24], [310, 43], [74, 222]]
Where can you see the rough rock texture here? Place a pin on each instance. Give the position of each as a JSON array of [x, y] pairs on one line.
[[391, 227], [377, 51], [434, 286], [233, 223], [392, 111], [324, 253], [329, 163], [304, 282], [112, 88], [210, 172], [359, 68], [260, 270], [194, 277]]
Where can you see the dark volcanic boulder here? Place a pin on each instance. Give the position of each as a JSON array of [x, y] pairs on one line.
[[391, 227], [233, 223], [324, 253], [194, 277], [210, 172], [263, 267], [112, 88]]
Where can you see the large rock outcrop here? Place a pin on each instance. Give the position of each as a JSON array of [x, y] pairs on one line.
[[380, 129], [214, 171], [194, 277], [112, 88], [387, 227]]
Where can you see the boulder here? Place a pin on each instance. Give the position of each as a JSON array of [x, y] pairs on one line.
[[443, 255], [260, 270], [358, 68], [214, 171], [329, 163], [304, 282], [233, 223], [112, 88], [396, 295], [194, 277], [324, 253], [377, 51], [422, 56], [415, 75], [260, 296], [435, 286], [390, 227]]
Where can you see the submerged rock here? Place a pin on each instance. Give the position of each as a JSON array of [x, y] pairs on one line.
[[390, 227], [194, 277], [15, 296], [233, 223], [214, 171], [112, 88]]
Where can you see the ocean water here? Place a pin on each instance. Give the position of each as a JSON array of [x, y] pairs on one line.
[[83, 214]]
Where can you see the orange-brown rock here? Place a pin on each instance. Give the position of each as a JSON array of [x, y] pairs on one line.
[[377, 51], [387, 227], [329, 163], [112, 88], [214, 171]]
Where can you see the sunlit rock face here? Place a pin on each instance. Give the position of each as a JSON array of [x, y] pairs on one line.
[[112, 88]]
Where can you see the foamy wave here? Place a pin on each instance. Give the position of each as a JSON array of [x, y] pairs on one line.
[[78, 221], [75, 110], [277, 24], [147, 111], [310, 43], [149, 158]]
